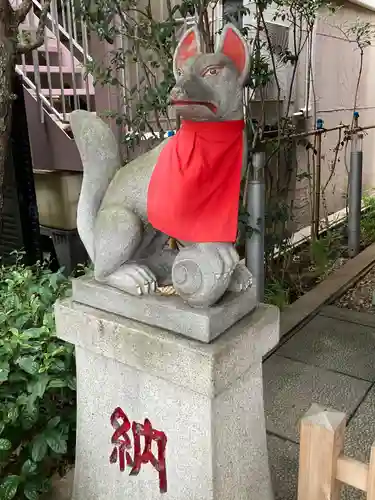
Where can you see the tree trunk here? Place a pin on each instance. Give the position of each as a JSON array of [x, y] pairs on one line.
[[8, 41], [9, 49]]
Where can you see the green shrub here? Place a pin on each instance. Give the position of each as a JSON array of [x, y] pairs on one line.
[[277, 293], [37, 383], [368, 221]]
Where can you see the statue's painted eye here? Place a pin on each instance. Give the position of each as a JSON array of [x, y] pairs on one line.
[[213, 71], [179, 72]]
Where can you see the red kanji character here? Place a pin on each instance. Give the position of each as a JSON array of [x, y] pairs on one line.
[[145, 456], [120, 439]]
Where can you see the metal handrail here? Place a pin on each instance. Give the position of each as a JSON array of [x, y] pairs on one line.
[[63, 30], [70, 54], [42, 98]]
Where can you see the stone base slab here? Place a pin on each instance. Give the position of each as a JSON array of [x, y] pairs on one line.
[[169, 313]]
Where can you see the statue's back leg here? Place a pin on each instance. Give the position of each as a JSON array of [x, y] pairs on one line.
[[118, 236]]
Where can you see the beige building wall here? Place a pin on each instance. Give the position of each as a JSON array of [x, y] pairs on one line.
[[336, 64]]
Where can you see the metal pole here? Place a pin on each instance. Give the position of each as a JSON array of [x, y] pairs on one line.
[[318, 172], [355, 192], [255, 209]]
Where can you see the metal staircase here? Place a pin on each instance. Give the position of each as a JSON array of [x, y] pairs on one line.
[[55, 83]]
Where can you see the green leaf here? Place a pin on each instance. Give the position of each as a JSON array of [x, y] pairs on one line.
[[4, 371], [31, 491], [44, 485], [17, 377], [34, 332], [21, 320], [56, 441], [58, 365], [28, 468], [28, 364], [9, 487], [57, 383], [13, 414], [37, 387], [53, 422], [72, 383], [23, 399], [29, 414], [3, 318], [2, 427], [5, 445], [39, 448]]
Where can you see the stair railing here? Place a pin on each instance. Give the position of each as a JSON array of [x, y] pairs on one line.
[[69, 35]]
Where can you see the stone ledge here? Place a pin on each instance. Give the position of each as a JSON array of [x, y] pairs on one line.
[[167, 355]]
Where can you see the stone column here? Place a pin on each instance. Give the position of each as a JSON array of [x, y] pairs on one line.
[[184, 419]]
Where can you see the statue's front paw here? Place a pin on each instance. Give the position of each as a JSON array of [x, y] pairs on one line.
[[242, 279], [134, 279], [229, 258]]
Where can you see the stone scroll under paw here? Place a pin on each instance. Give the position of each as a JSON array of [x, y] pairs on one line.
[[201, 273]]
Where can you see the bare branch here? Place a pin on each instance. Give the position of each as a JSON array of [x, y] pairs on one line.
[[24, 48], [22, 11]]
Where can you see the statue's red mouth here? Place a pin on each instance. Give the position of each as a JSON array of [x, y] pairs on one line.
[[211, 106]]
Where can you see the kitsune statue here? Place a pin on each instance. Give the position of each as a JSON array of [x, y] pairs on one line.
[[187, 188]]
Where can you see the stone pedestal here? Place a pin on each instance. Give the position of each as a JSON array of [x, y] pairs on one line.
[[203, 401]]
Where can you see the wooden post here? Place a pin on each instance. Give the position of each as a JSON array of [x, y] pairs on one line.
[[322, 441], [371, 476]]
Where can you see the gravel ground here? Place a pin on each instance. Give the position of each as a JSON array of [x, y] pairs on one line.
[[359, 297]]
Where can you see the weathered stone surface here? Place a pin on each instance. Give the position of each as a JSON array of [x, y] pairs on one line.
[[170, 313], [291, 387], [284, 467], [358, 317], [335, 345], [206, 398]]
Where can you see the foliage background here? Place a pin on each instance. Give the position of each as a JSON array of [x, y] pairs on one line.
[[37, 383]]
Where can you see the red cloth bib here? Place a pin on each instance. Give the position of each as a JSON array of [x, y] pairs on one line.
[[194, 190]]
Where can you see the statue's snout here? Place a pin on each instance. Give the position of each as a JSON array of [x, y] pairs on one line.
[[178, 93]]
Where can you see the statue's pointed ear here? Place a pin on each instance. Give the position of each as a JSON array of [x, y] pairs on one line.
[[233, 45], [188, 46]]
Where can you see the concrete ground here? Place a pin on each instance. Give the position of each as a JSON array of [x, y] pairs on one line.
[[329, 361]]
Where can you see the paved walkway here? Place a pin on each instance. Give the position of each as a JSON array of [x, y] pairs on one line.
[[329, 361]]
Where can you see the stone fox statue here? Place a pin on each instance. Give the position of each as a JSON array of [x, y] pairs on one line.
[[187, 188]]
